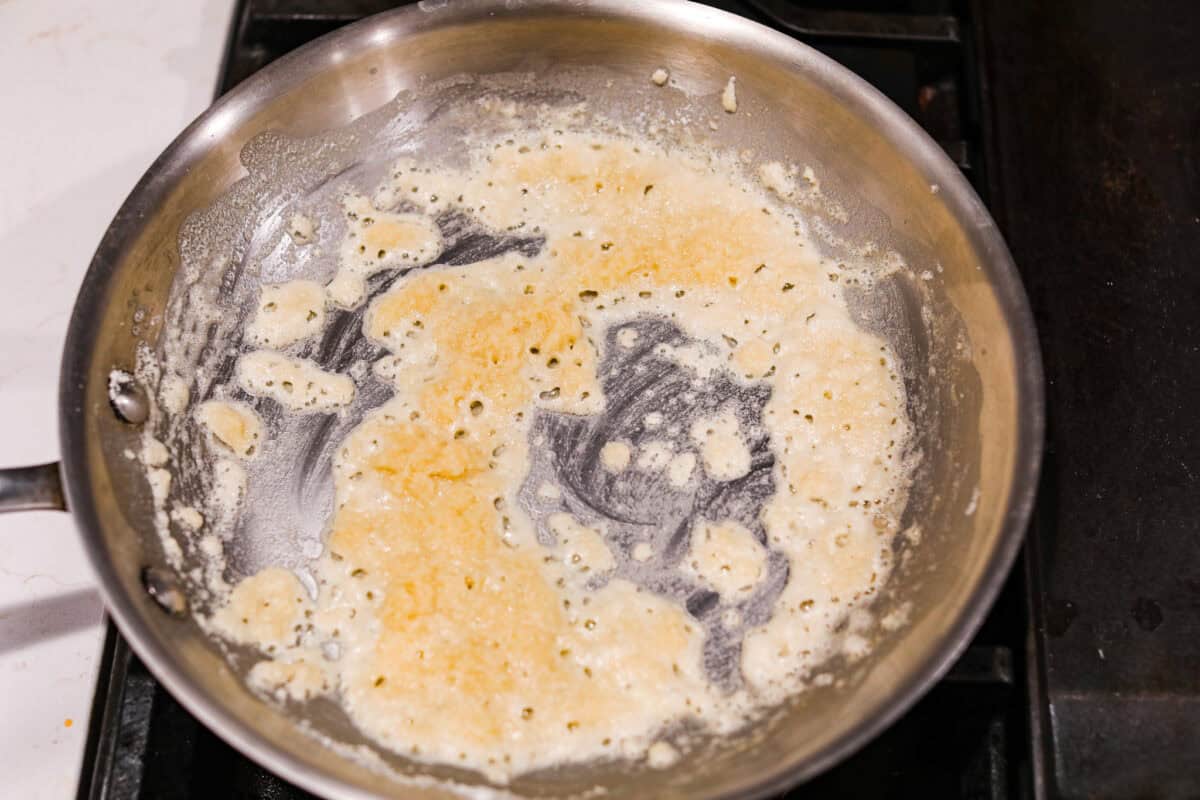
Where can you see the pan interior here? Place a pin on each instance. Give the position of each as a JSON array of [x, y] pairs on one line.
[[938, 312]]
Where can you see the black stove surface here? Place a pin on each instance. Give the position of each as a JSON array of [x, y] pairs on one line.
[[1095, 108], [1080, 130]]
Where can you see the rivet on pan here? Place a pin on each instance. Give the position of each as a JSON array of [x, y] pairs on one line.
[[127, 398], [163, 588]]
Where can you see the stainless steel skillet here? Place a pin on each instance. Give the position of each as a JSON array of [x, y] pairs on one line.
[[978, 408]]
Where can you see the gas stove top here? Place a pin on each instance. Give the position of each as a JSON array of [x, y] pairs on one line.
[[1078, 128]]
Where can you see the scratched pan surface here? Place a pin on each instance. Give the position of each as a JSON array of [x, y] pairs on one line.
[[202, 229]]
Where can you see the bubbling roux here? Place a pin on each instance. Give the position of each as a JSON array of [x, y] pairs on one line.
[[636, 480]]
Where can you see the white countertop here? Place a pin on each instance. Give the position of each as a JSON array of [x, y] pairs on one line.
[[93, 91]]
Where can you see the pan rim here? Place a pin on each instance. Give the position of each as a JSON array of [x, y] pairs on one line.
[[685, 18]]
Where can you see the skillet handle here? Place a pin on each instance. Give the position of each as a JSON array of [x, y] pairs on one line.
[[32, 489]]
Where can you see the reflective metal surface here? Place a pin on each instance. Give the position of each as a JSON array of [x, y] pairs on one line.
[[127, 398], [31, 489], [977, 408]]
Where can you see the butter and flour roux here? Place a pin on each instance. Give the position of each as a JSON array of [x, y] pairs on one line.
[[457, 625]]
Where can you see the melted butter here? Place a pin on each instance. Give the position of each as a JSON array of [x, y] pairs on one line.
[[376, 240], [295, 383], [727, 556], [465, 640], [476, 650], [499, 342], [287, 313], [234, 425], [300, 679], [722, 447], [265, 610]]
